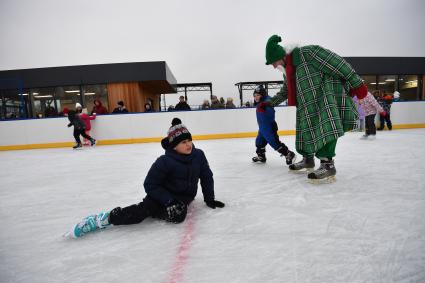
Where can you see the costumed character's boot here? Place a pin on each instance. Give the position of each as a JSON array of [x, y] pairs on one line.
[[325, 173], [305, 165]]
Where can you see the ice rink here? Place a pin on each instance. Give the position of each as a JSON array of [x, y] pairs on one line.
[[369, 226]]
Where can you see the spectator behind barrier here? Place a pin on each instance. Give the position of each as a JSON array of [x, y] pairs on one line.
[[98, 108], [182, 105], [121, 108]]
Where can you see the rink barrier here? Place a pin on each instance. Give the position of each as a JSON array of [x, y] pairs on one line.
[[158, 139], [134, 128], [137, 140]]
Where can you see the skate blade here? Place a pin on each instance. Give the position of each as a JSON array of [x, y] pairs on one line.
[[327, 180], [67, 235], [302, 171]]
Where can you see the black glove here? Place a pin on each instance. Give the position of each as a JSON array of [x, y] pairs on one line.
[[69, 125], [214, 203], [176, 211]]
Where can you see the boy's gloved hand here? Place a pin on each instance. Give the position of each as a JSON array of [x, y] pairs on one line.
[[214, 203], [176, 211], [261, 107], [69, 125]]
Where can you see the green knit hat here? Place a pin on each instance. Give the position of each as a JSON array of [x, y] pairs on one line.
[[274, 51]]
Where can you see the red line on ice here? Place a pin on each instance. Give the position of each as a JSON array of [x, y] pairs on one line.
[[176, 275]]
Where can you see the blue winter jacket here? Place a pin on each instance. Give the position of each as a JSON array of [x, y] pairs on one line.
[[267, 124], [176, 176]]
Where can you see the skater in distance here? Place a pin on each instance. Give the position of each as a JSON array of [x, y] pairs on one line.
[[79, 129]]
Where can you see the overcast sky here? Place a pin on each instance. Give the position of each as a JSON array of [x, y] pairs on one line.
[[216, 41]]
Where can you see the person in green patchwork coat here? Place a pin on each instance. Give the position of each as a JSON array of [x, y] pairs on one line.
[[320, 84]]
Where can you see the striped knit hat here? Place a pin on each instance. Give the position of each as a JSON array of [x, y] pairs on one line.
[[177, 133]]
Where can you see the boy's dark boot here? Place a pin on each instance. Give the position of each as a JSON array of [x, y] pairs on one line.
[[326, 171], [289, 155], [261, 155], [307, 164]]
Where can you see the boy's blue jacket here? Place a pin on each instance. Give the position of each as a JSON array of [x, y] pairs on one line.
[[175, 176], [266, 123]]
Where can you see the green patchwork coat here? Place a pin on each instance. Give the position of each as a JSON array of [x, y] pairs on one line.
[[324, 110]]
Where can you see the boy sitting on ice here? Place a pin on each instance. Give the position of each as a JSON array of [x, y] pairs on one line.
[[171, 185]]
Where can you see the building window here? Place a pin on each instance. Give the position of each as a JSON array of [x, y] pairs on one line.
[[408, 87], [371, 83], [95, 92], [67, 97], [13, 104], [42, 102], [387, 84]]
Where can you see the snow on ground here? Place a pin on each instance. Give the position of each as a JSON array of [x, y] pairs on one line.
[[367, 227]]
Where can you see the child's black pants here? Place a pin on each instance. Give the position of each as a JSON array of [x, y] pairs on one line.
[[78, 132], [370, 125]]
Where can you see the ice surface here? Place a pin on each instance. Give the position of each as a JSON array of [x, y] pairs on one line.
[[276, 227]]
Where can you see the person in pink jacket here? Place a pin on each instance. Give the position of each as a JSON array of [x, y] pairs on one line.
[[370, 107], [86, 119]]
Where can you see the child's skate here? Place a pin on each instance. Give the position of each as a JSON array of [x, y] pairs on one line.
[[305, 165], [324, 174], [261, 155], [89, 224], [290, 158], [92, 142], [78, 146]]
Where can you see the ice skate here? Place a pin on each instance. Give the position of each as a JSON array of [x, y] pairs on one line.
[[305, 165], [92, 142], [89, 224], [290, 158], [261, 156], [78, 146], [324, 174]]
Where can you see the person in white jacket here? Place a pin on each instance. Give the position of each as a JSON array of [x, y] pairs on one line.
[[370, 107]]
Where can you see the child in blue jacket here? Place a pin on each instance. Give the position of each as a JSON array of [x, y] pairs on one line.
[[171, 185], [267, 132]]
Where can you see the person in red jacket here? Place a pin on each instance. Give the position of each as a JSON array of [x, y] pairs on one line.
[[98, 108], [86, 119]]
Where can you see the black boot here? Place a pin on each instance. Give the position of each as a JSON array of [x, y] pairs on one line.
[[326, 170], [92, 141], [307, 163], [261, 155], [77, 146], [289, 155]]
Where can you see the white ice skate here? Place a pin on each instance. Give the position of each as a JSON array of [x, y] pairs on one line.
[[89, 224]]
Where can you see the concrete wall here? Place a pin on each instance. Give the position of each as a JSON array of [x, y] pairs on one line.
[[148, 127]]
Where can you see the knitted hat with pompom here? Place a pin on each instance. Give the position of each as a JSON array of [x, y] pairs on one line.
[[274, 51]]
